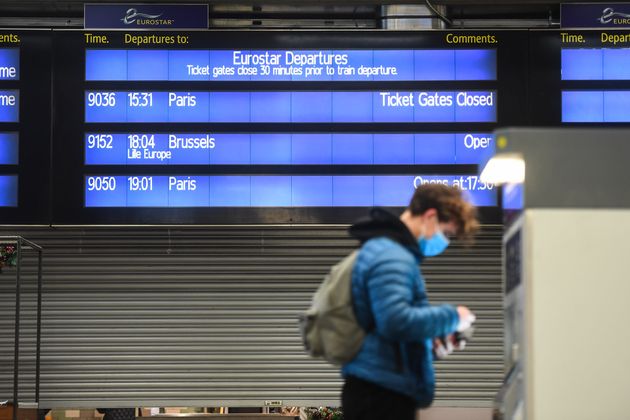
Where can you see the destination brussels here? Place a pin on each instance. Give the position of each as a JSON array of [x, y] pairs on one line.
[[139, 145]]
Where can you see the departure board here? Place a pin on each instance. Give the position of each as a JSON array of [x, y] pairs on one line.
[[25, 68], [583, 75], [9, 116], [204, 127]]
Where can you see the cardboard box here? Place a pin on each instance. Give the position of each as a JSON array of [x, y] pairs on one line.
[[172, 410], [6, 413], [83, 414], [27, 414], [88, 414], [149, 411]]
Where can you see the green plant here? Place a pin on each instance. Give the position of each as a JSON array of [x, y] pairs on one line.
[[324, 413], [8, 256]]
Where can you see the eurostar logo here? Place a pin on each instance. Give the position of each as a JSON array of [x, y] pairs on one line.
[[132, 15], [609, 15]]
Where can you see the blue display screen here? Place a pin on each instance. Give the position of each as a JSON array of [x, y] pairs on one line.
[[8, 190], [290, 65], [270, 190], [291, 107], [9, 105], [9, 148], [513, 197], [9, 64], [9, 112], [285, 148], [228, 128], [596, 106], [596, 64]]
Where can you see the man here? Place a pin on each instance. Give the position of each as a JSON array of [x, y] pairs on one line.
[[392, 375]]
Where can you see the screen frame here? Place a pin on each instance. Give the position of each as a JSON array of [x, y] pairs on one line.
[[70, 85], [34, 129], [545, 79]]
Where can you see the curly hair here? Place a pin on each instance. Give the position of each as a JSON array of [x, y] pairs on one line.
[[451, 206]]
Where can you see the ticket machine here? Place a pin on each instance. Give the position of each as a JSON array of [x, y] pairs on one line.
[[566, 277]]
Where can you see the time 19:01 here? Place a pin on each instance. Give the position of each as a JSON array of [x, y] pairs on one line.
[[140, 183]]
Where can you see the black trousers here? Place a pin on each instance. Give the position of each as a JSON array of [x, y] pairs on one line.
[[364, 400]]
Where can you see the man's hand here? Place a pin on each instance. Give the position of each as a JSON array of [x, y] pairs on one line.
[[443, 346], [466, 318]]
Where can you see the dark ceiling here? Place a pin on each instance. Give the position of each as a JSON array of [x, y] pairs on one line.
[[301, 12]]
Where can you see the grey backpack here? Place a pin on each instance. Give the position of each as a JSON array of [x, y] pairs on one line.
[[329, 327]]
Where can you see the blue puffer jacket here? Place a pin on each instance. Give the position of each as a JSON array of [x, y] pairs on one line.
[[391, 303]]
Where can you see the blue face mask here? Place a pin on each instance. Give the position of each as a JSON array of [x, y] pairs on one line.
[[433, 246]]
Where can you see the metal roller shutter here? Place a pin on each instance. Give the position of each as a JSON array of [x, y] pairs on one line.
[[207, 316], [28, 328]]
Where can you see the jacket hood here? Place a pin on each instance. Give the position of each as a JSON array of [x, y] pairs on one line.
[[383, 223]]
